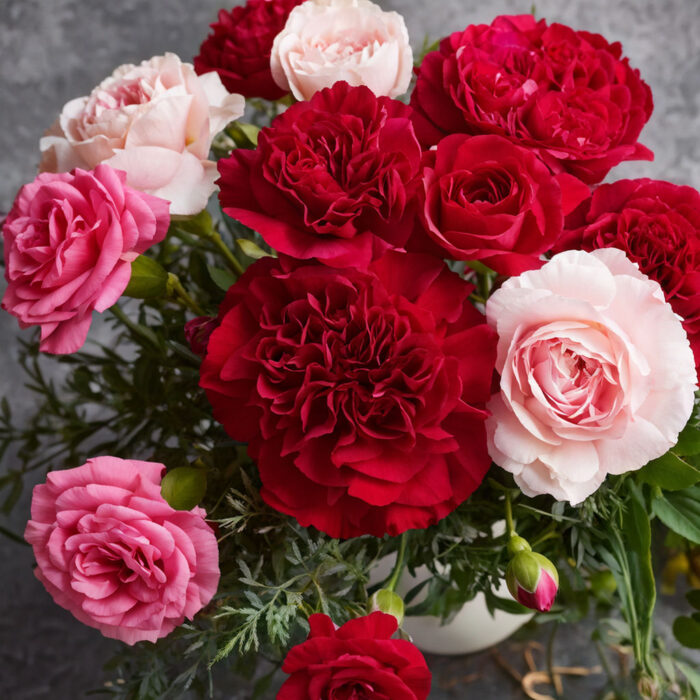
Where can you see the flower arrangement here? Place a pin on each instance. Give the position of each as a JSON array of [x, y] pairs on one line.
[[416, 313]]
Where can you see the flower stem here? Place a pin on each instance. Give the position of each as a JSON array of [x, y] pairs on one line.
[[177, 291], [399, 565], [509, 516], [215, 238], [142, 332]]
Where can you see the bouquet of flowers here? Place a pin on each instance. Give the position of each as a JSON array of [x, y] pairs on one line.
[[418, 329]]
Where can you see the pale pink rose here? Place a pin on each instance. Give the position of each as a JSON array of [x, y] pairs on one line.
[[325, 41], [69, 242], [156, 121], [112, 552], [597, 374]]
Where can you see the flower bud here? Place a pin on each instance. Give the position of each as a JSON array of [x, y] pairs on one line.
[[197, 332], [387, 601], [532, 580]]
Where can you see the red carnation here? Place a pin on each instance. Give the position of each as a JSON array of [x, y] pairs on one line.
[[333, 178], [657, 225], [357, 660], [484, 198], [238, 48], [567, 95], [361, 394]]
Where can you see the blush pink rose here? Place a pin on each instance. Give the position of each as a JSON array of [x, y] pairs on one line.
[[69, 243], [112, 552], [325, 41], [597, 374], [156, 121]]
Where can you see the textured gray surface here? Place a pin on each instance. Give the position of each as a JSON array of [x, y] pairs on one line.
[[54, 50]]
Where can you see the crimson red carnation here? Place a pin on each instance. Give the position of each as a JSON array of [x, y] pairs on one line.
[[568, 95], [657, 225], [361, 393], [357, 660], [239, 45], [484, 198], [334, 178]]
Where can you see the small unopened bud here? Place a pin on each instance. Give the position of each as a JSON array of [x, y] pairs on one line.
[[532, 580], [388, 602], [197, 332], [649, 688]]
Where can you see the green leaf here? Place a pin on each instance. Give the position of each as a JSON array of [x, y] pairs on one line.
[[629, 559], [148, 279], [694, 598], [243, 135], [252, 250], [200, 225], [680, 512], [689, 440], [687, 631], [692, 675], [184, 487], [222, 278], [670, 473]]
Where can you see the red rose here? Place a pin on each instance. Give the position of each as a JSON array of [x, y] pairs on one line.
[[360, 393], [657, 225], [484, 198], [333, 178], [567, 95], [238, 48], [357, 660]]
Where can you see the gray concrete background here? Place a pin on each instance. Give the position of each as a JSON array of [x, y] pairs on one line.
[[54, 50]]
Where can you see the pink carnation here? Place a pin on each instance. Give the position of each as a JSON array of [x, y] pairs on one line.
[[113, 552], [597, 374], [69, 243]]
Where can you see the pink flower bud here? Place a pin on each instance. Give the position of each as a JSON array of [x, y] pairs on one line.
[[532, 580]]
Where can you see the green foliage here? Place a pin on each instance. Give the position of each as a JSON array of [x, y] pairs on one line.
[[148, 279], [687, 629], [184, 487], [669, 472], [680, 512]]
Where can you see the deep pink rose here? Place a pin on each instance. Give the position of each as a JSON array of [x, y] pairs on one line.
[[360, 393], [484, 198], [657, 224], [70, 239], [112, 552], [356, 661], [569, 96], [334, 178], [239, 46]]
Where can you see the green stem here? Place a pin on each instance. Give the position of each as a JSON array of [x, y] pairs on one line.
[[176, 289], [399, 565], [509, 516], [135, 328], [550, 659], [546, 536], [233, 263], [214, 237]]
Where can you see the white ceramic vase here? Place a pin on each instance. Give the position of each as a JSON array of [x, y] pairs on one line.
[[472, 629]]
